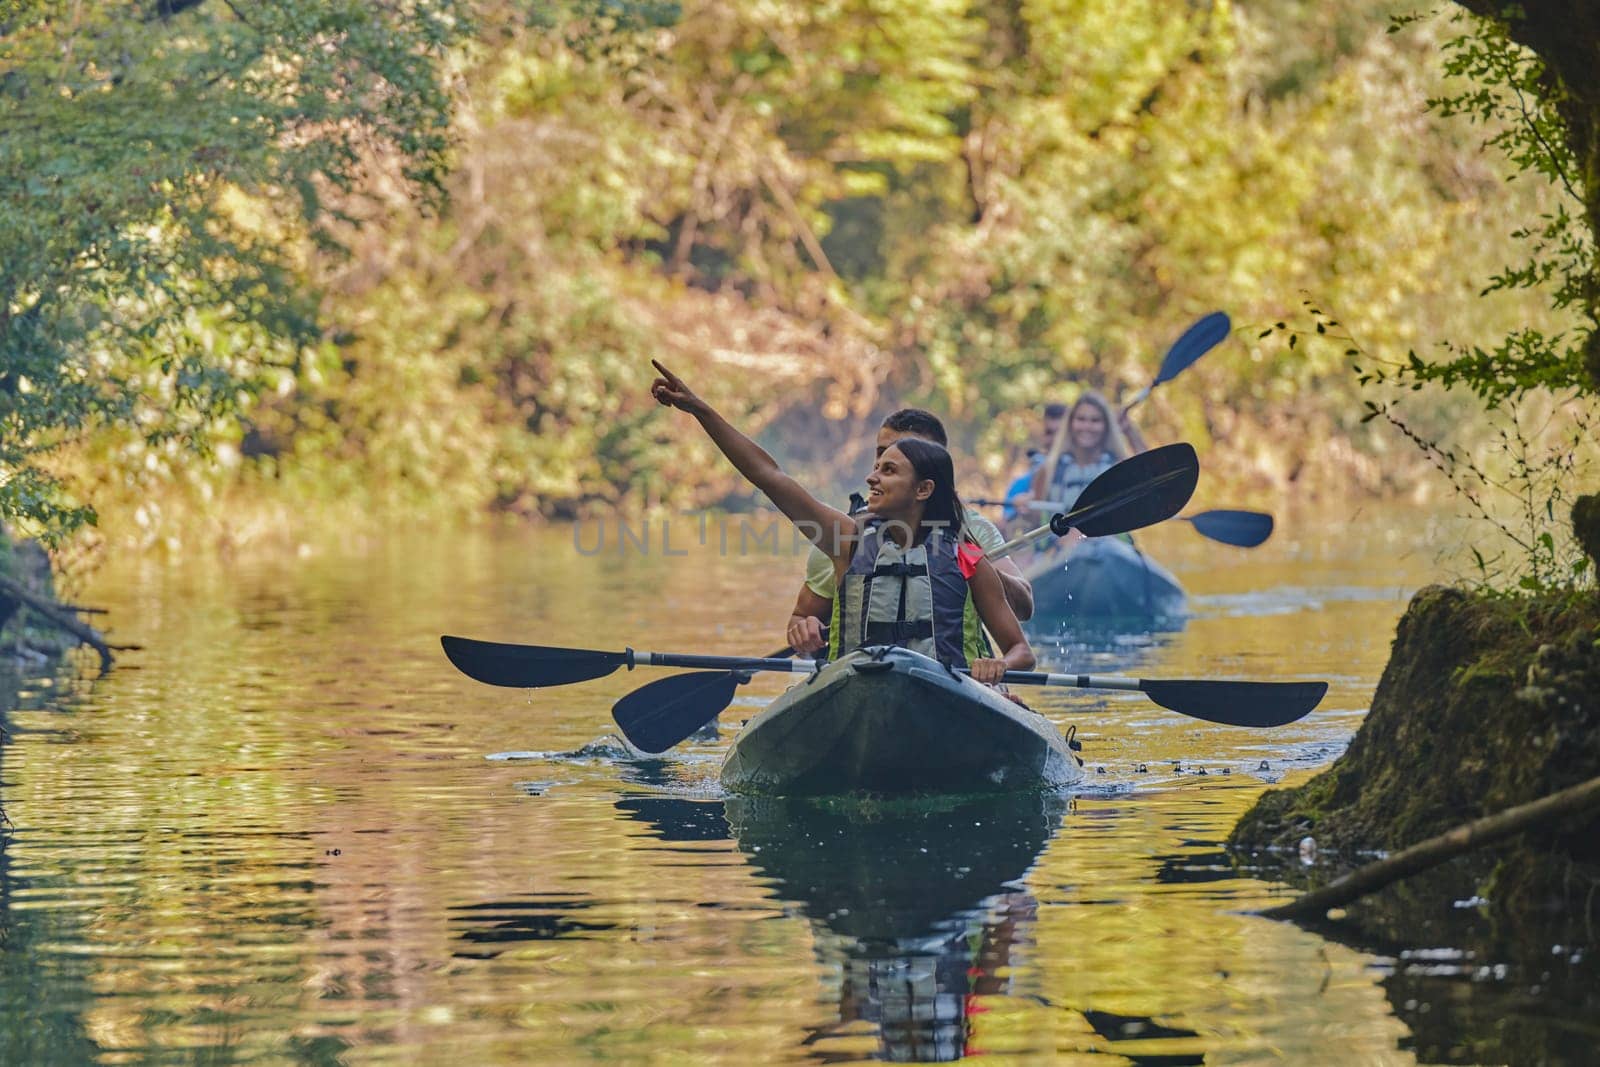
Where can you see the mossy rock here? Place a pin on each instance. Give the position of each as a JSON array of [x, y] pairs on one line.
[[1486, 703]]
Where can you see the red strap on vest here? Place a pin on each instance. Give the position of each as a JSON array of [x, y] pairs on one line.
[[967, 557]]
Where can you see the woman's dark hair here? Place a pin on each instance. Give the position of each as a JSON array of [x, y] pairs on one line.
[[918, 423], [943, 512]]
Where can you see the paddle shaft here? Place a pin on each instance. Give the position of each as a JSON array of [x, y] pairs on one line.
[[637, 658], [1234, 703], [1138, 398], [716, 663], [1236, 517], [1229, 703], [808, 666]]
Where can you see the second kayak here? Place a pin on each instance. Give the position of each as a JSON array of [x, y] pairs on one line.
[[1105, 581]]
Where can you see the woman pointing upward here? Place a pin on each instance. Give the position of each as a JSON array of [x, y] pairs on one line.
[[904, 575]]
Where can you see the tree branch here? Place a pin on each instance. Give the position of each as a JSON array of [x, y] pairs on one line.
[[60, 617], [791, 210], [1435, 850]]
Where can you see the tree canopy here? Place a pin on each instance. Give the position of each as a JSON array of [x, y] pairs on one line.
[[816, 211], [159, 164]]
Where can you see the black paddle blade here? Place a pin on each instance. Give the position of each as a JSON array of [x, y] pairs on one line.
[[1140, 491], [1196, 341], [528, 666], [657, 716], [1245, 529], [1238, 703]]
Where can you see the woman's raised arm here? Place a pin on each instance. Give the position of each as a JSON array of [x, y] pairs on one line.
[[830, 529]]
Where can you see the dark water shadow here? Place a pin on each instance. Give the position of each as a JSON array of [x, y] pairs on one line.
[[1468, 991], [1191, 868], [675, 819], [35, 1028], [918, 905], [486, 930]]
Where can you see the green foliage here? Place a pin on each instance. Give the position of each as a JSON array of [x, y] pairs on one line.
[[817, 211], [1503, 89], [1520, 478], [157, 163], [1526, 500], [1520, 481]]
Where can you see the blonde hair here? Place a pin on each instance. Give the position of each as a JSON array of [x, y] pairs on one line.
[[1113, 441]]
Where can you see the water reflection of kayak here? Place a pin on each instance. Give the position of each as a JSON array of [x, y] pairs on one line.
[[893, 869], [917, 903], [1105, 582], [891, 721]]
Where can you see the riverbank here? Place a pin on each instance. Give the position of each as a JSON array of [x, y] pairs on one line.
[[1487, 702]]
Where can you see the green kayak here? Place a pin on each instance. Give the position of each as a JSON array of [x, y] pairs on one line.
[[890, 721]]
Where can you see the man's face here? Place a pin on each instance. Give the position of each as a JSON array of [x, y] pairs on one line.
[[887, 437], [1052, 426]]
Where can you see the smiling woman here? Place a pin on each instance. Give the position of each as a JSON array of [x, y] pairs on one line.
[[904, 576], [1086, 444]]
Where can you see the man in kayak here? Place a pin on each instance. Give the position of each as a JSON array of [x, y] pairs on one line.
[[1018, 491], [814, 604], [909, 579]]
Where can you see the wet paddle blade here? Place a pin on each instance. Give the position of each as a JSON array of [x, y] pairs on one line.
[[1238, 703], [657, 716], [528, 666], [1196, 341], [1244, 529], [1140, 491]]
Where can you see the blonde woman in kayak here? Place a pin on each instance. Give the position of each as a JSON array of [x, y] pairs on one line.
[[1093, 441], [903, 575]]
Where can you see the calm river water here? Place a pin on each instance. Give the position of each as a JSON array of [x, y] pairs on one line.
[[288, 831]]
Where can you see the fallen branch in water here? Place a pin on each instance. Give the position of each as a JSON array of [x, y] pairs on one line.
[[1435, 850], [60, 617]]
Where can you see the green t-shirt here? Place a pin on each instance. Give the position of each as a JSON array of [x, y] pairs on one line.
[[819, 568]]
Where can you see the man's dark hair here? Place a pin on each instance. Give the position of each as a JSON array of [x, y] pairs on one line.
[[918, 423], [1054, 411]]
